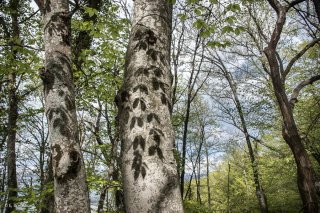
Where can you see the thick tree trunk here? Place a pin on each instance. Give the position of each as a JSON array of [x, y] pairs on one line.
[[150, 179], [70, 189], [12, 185], [291, 136]]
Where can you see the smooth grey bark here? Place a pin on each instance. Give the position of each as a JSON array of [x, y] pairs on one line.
[[149, 171], [70, 188]]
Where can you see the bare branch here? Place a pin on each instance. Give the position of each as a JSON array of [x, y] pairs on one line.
[[294, 3], [296, 91], [299, 55]]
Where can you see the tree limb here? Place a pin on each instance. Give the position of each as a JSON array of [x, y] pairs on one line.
[[296, 91], [294, 3], [299, 55], [275, 5]]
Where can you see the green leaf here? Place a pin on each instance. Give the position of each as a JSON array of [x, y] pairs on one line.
[[213, 1], [233, 7], [197, 11], [192, 1], [226, 29], [230, 19], [182, 17], [199, 24], [91, 11], [205, 34]]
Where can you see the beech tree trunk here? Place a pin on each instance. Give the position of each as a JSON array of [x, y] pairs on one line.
[[149, 171], [70, 189]]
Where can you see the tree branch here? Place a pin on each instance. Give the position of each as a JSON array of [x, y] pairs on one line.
[[294, 3], [296, 91], [275, 5], [299, 55]]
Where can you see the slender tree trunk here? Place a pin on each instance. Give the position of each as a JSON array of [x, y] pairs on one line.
[[12, 185], [188, 192], [102, 198], [191, 83], [149, 171], [199, 164], [70, 188], [184, 145], [208, 179], [47, 203], [262, 199], [228, 190], [199, 183]]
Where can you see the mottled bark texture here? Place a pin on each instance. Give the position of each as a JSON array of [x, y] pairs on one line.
[[149, 171], [70, 189]]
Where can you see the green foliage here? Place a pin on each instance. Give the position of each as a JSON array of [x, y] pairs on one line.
[[194, 207]]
